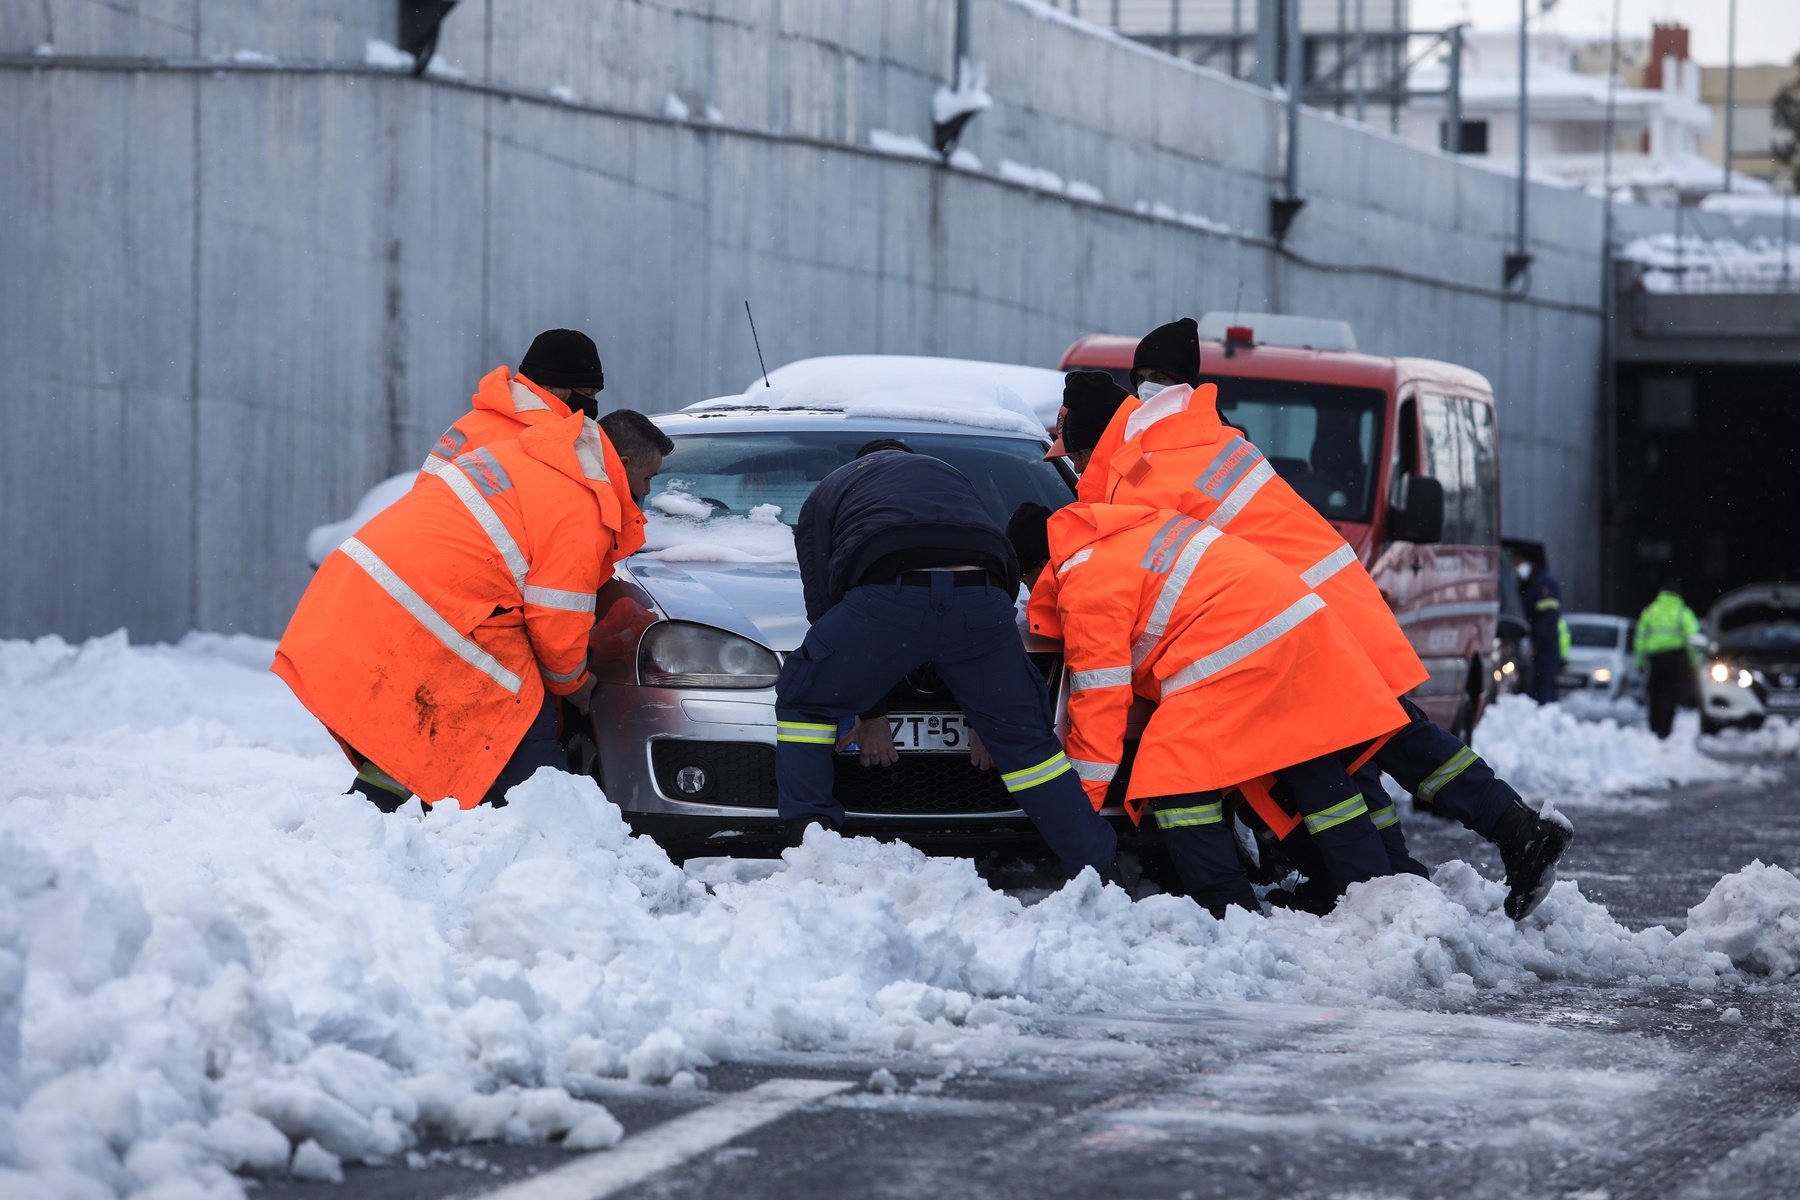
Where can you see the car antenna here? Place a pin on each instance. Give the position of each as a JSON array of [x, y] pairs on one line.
[[758, 343]]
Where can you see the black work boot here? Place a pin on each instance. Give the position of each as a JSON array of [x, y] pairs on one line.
[[1529, 846]]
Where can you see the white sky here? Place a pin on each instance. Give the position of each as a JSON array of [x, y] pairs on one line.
[[1768, 31]]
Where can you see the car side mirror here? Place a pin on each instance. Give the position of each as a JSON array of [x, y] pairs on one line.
[[1419, 517]]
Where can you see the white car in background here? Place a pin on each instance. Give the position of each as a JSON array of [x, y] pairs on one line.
[[1752, 666], [1599, 660]]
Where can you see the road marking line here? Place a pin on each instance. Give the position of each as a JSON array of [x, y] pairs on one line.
[[673, 1142]]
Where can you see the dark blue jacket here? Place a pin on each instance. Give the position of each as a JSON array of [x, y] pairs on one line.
[[887, 503], [1542, 596]]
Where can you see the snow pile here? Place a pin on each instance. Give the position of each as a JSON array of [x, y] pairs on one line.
[[1166, 212], [387, 56], [1714, 264], [904, 145], [958, 391], [1039, 178], [326, 538], [1779, 737], [213, 961], [675, 108], [681, 527], [969, 96], [1548, 754]]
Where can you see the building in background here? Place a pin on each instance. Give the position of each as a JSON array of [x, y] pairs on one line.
[[1753, 128], [1659, 121], [1247, 39]]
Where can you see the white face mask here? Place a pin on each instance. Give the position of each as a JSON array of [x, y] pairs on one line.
[[1524, 570], [1147, 390]]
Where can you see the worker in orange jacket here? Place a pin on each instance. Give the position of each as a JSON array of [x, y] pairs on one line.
[[560, 375], [1252, 673], [427, 641], [1172, 450]]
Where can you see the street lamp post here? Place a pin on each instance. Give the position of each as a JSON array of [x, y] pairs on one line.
[[1730, 88], [1519, 260]]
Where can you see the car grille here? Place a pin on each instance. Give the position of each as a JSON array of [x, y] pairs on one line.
[[742, 775]]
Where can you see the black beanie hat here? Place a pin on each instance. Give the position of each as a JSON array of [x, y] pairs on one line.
[[1092, 397], [1173, 349], [563, 358], [1028, 529]]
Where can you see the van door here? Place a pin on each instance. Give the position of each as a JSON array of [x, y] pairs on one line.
[[1458, 597]]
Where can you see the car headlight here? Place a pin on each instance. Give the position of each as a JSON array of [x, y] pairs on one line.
[[1510, 667], [1744, 679], [677, 654], [1602, 675], [1720, 672]]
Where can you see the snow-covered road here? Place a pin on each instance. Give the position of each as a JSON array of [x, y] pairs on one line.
[[212, 962]]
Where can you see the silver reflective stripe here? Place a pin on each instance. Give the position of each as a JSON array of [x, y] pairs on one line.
[[571, 677], [1328, 566], [1244, 647], [553, 598], [1099, 677], [1166, 542], [489, 520], [526, 400], [428, 616], [1242, 494], [1076, 559], [1096, 772], [588, 452], [1230, 465], [1170, 595], [435, 465]]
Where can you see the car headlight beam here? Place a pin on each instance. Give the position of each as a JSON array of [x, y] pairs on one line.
[[1602, 675], [1744, 680], [1720, 672], [680, 654]]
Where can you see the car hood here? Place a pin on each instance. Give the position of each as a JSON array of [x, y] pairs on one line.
[[760, 601]]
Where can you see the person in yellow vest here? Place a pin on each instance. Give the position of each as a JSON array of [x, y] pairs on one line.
[[1665, 633]]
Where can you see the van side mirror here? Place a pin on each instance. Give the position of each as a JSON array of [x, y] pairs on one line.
[[1419, 517]]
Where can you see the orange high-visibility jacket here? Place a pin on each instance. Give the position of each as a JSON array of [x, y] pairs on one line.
[[421, 639], [1174, 452], [1250, 669], [506, 405]]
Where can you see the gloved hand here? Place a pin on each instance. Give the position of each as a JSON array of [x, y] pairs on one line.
[[582, 696]]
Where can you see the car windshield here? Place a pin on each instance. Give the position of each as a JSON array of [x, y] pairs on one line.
[[713, 482], [1595, 635], [1323, 439]]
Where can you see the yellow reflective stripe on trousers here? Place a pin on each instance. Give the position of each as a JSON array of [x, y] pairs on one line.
[[1180, 818], [1244, 647], [488, 519], [1384, 817], [1242, 494], [1328, 566], [1337, 814], [1459, 762], [808, 732], [374, 775], [428, 616], [1094, 772], [1166, 600], [1030, 777], [543, 597], [1099, 677]]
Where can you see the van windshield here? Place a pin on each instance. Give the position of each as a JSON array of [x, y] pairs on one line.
[[1322, 438], [1595, 635]]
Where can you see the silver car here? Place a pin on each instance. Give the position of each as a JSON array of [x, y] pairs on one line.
[[691, 631], [1599, 659]]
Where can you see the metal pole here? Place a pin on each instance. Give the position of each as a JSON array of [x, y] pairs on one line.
[[1296, 79], [1361, 90], [1524, 125], [1175, 28], [1115, 15], [1730, 88], [1609, 315], [1268, 42], [962, 38], [1453, 97], [1787, 203]]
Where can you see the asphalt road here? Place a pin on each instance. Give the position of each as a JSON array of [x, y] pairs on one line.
[[1574, 1092]]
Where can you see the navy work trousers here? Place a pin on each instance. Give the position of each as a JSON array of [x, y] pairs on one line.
[[538, 748], [1546, 658], [867, 642], [1444, 775]]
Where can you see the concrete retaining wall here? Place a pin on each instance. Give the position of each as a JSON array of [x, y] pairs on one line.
[[237, 294]]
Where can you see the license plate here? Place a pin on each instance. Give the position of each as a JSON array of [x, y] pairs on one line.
[[1784, 700], [930, 733]]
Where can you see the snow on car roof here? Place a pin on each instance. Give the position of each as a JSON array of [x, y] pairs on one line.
[[954, 391]]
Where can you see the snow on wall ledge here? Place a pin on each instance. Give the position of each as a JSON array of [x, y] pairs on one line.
[[211, 961]]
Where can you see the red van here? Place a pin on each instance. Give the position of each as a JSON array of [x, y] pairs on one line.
[[1401, 454]]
